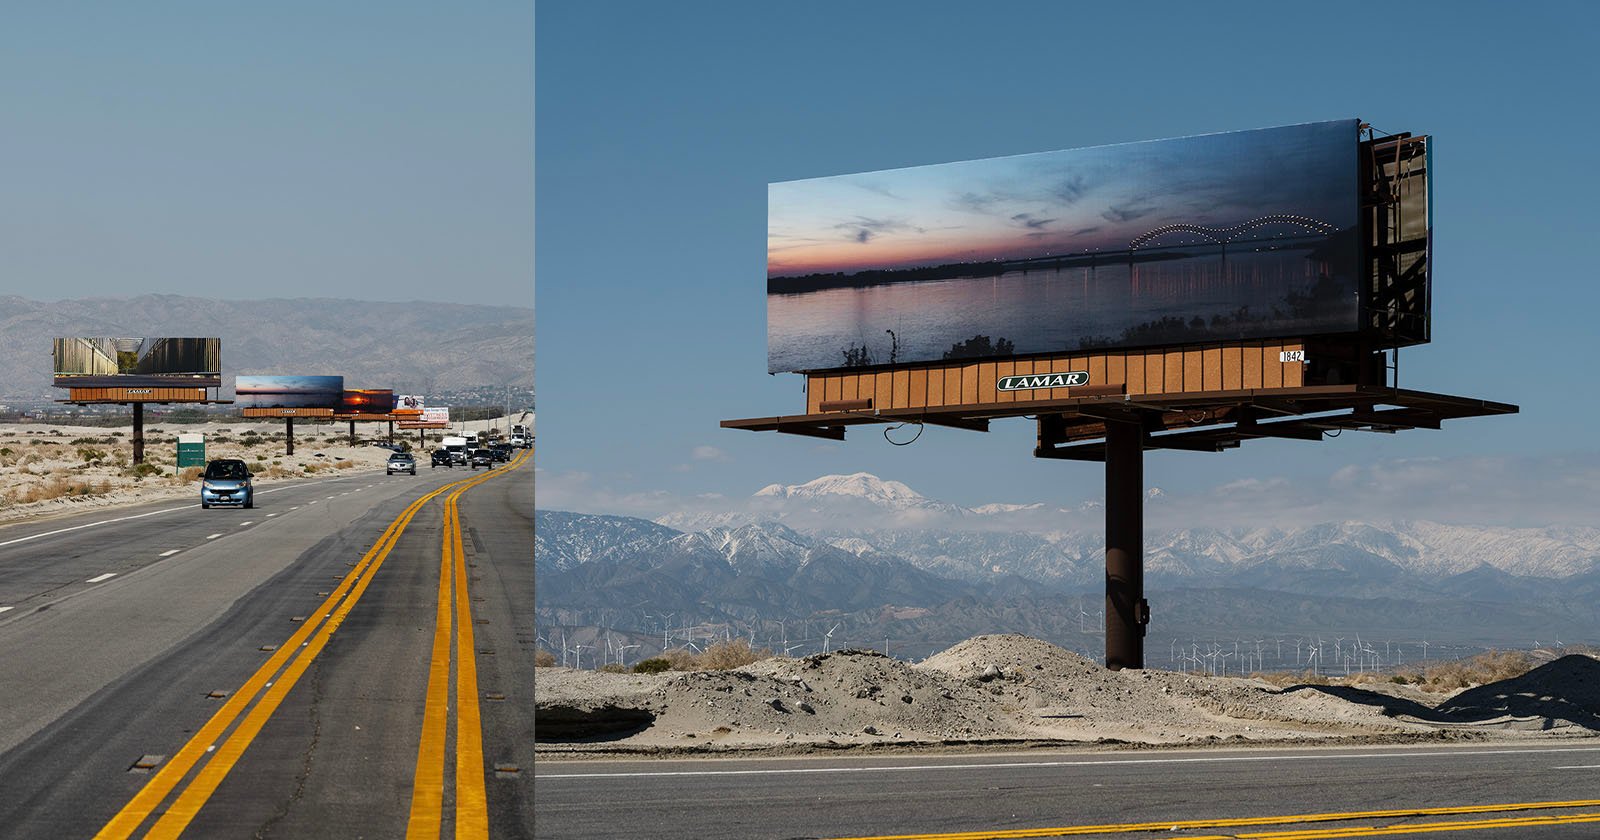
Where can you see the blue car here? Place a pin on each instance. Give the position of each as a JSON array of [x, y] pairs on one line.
[[227, 482]]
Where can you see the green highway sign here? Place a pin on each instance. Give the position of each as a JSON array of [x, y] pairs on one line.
[[191, 450], [1065, 379]]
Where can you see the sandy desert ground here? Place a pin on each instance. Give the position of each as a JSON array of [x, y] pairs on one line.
[[1009, 690], [48, 470]]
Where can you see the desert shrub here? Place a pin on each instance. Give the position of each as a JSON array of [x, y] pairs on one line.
[[261, 457], [612, 668], [57, 488], [654, 665], [142, 470], [343, 464], [681, 659], [5, 450], [190, 474], [543, 659], [90, 455], [1490, 666], [730, 654]]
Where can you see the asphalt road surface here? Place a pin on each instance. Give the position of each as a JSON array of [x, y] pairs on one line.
[[1545, 790], [307, 668]]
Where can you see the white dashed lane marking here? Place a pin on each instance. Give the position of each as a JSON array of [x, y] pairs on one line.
[[98, 578], [213, 536], [270, 515], [171, 552], [244, 523], [3, 609]]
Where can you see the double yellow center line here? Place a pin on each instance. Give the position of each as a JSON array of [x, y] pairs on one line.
[[427, 792], [303, 646], [1293, 819]]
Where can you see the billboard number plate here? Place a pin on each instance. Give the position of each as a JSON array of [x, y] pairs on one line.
[[1067, 379]]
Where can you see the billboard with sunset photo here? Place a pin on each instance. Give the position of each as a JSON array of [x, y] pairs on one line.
[[288, 391], [367, 401], [1220, 237]]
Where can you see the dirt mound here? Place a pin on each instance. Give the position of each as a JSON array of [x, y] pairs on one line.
[[1007, 652], [1565, 692], [994, 689]]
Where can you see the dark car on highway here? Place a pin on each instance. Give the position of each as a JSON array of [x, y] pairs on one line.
[[226, 481], [481, 457], [442, 457]]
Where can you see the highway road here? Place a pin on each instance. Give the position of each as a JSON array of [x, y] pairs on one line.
[[1538, 790], [312, 667]]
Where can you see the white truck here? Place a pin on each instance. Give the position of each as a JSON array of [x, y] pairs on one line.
[[457, 447]]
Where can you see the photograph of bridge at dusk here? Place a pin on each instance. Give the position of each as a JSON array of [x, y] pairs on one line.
[[1250, 234]]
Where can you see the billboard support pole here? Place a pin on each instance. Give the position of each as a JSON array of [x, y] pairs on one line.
[[422, 440], [138, 433], [288, 435], [1127, 612], [391, 431], [352, 433]]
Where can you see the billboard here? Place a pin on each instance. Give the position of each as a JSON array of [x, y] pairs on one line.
[[137, 362], [371, 401], [408, 405], [1220, 237], [436, 414], [288, 391]]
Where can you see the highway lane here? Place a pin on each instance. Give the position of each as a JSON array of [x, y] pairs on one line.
[[1059, 793], [110, 672]]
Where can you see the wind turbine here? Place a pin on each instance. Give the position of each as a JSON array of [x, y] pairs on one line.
[[827, 638]]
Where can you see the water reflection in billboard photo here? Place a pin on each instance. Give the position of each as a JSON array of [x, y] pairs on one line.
[[288, 391]]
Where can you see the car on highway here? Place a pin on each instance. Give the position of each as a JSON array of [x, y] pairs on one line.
[[443, 457], [402, 462], [481, 457], [501, 451], [226, 481]]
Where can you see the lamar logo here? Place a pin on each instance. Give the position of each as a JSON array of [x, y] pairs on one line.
[[1069, 379], [139, 391]]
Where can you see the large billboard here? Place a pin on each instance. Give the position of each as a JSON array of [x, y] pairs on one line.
[[288, 391], [369, 401], [409, 405], [137, 362], [1220, 237]]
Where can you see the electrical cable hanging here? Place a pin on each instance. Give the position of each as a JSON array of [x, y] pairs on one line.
[[886, 431]]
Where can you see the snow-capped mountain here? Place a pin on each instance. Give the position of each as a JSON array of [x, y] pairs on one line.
[[857, 487]]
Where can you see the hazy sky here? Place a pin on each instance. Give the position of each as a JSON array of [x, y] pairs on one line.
[[367, 150], [661, 125]]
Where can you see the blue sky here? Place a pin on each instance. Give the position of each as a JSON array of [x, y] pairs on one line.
[[376, 151], [660, 126]]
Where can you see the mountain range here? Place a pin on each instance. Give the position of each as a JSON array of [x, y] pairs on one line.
[[840, 548], [416, 347]]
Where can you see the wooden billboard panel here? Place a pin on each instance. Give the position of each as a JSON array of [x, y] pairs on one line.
[[1234, 366], [286, 412], [131, 395]]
